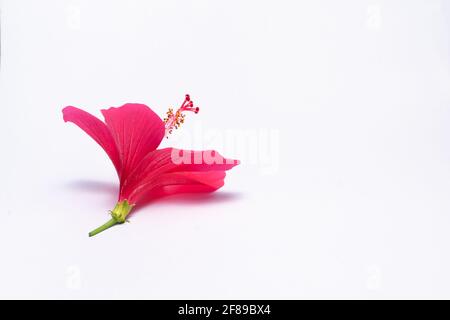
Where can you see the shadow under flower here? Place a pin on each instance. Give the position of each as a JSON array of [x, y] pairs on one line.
[[178, 199], [93, 186]]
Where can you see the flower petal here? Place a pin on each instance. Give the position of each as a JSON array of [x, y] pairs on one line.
[[96, 129], [159, 166], [180, 182], [137, 130]]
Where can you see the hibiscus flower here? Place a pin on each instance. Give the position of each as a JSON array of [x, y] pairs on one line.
[[130, 136]]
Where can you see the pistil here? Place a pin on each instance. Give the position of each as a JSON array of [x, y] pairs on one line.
[[175, 120]]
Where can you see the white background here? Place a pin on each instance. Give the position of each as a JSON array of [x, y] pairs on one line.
[[355, 203]]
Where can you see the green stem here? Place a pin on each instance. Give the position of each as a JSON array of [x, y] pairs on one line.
[[107, 225]]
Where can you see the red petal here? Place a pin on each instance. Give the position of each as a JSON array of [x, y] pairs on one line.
[[96, 129], [137, 131], [180, 182], [178, 189], [163, 167]]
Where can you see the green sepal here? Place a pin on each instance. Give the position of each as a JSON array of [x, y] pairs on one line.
[[121, 211], [118, 216]]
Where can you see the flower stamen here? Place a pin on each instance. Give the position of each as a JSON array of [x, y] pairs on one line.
[[174, 120]]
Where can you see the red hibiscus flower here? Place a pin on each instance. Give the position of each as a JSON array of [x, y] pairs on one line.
[[130, 136]]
